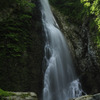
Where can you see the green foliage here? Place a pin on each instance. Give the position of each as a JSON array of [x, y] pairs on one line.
[[24, 16], [5, 93], [14, 30], [70, 9], [6, 3], [22, 4], [14, 36], [25, 4], [94, 10], [20, 44], [77, 11]]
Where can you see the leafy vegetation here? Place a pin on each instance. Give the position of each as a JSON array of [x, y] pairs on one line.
[[72, 9], [20, 44], [79, 10], [93, 7], [14, 31], [5, 93], [10, 3]]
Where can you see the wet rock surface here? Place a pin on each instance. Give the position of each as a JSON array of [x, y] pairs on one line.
[[21, 96], [83, 50], [88, 97]]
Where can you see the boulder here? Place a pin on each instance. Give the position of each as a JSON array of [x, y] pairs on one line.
[[88, 97], [21, 96]]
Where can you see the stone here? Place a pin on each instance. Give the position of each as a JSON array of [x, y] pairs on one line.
[[83, 50], [88, 97], [21, 96], [96, 96]]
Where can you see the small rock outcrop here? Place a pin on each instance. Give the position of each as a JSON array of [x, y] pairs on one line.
[[88, 97], [21, 96]]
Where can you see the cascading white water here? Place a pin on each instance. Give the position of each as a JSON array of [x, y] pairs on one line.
[[60, 81]]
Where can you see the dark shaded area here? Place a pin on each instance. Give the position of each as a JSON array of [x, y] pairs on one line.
[[21, 48]]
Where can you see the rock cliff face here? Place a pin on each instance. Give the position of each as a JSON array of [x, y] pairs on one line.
[[21, 48], [20, 96], [83, 51]]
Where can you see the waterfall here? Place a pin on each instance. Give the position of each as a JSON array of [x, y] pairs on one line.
[[60, 81]]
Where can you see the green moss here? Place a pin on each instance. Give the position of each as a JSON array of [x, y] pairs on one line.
[[80, 10], [20, 44], [70, 9], [24, 95], [5, 93], [15, 34]]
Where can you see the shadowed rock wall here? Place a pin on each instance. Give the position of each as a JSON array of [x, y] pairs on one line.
[[83, 50]]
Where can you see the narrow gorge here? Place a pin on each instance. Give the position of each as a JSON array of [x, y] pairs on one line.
[[50, 47]]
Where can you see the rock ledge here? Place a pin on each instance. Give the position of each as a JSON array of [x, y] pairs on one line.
[[88, 97], [21, 96]]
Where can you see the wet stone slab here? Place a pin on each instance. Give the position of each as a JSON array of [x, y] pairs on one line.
[[21, 96], [88, 97]]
